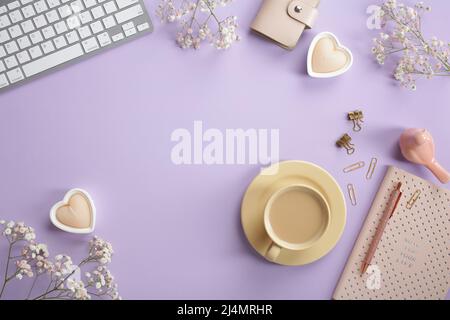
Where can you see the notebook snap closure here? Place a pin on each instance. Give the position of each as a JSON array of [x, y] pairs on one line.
[[303, 12]]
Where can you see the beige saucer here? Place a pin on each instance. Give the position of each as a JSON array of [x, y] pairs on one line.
[[291, 173]]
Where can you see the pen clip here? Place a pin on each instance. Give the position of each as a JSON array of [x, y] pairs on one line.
[[396, 201]]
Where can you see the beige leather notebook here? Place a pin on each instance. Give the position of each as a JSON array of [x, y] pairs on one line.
[[412, 260], [284, 21]]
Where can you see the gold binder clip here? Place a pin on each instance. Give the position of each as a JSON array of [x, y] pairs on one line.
[[345, 142], [413, 199], [357, 117]]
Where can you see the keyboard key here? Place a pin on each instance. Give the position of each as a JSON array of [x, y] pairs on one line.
[[89, 3], [143, 26], [90, 44], [64, 11], [53, 3], [23, 57], [3, 81], [35, 52], [2, 52], [40, 6], [72, 37], [128, 25], [16, 16], [97, 27], [117, 37], [129, 13], [48, 47], [60, 27], [130, 32], [52, 16], [27, 26], [60, 42], [36, 37], [2, 66], [15, 31], [98, 12], [109, 22], [4, 21], [15, 75], [73, 22], [28, 11], [11, 62], [77, 6], [24, 42], [3, 9], [24, 2], [40, 21], [48, 32], [110, 7], [52, 60], [11, 47], [13, 5], [85, 17], [125, 3], [84, 32], [103, 39], [4, 36]]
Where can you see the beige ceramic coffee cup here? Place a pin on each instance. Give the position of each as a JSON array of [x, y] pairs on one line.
[[295, 218]]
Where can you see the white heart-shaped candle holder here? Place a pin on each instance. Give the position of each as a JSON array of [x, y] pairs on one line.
[[75, 213], [327, 58]]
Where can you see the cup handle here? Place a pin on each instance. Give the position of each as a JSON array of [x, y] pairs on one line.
[[273, 252]]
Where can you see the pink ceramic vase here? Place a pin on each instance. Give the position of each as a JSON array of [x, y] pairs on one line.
[[417, 146]]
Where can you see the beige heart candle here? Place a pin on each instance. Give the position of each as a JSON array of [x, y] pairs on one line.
[[75, 213], [327, 57]]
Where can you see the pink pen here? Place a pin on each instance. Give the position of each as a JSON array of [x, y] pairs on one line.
[[390, 209]]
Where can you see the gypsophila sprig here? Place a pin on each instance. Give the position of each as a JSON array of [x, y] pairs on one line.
[[402, 35], [199, 22], [63, 279]]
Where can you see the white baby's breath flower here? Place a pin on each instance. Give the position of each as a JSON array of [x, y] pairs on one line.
[[196, 19], [417, 57], [34, 259]]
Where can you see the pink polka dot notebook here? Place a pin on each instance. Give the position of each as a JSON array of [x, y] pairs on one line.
[[412, 260]]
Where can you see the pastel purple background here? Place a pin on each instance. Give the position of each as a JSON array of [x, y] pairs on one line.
[[105, 124]]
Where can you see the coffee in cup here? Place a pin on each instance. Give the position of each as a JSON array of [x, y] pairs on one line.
[[295, 218]]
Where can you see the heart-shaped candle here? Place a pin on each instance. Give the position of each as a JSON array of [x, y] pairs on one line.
[[75, 213], [327, 58]]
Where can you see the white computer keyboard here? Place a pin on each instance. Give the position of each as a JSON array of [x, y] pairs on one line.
[[37, 36]]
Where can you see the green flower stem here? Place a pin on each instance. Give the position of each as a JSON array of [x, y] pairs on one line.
[[5, 278]]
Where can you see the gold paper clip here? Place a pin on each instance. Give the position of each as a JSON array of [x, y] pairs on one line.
[[357, 117], [345, 142], [372, 167], [352, 194], [354, 167], [413, 199]]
